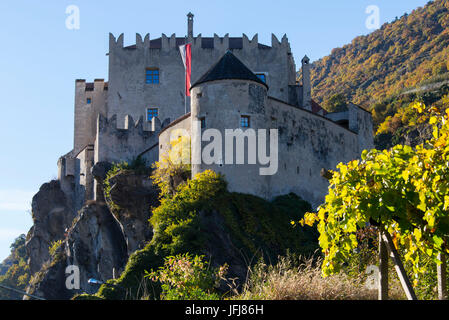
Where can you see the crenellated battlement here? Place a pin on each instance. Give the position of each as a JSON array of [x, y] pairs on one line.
[[251, 44], [115, 144], [98, 85], [167, 43], [145, 43], [221, 43], [115, 43], [197, 41], [275, 43], [108, 125]]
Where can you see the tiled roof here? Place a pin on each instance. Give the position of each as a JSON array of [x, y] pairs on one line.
[[317, 108]]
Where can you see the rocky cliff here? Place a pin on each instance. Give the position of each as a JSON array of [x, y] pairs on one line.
[[131, 197], [132, 230], [203, 218], [52, 214], [97, 239], [95, 244]]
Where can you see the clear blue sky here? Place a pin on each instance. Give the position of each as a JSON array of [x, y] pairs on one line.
[[40, 59]]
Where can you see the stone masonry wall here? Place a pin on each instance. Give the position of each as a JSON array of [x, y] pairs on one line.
[[86, 113], [307, 142], [129, 94], [116, 145]]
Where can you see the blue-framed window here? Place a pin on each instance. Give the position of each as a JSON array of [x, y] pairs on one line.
[[151, 113], [89, 100], [262, 77], [244, 121], [152, 76]]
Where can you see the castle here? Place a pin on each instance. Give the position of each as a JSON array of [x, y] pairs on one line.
[[237, 83]]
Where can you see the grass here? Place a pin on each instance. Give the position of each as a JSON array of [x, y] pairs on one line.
[[302, 280]]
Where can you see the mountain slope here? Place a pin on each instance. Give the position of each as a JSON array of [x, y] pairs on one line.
[[14, 271], [406, 53]]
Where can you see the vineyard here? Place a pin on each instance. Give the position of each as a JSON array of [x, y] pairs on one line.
[[403, 193]]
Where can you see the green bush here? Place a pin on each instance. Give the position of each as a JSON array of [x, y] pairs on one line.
[[254, 224], [184, 277], [137, 166], [130, 284], [257, 224], [176, 221]]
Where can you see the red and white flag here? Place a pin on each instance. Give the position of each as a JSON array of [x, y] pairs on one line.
[[186, 54]]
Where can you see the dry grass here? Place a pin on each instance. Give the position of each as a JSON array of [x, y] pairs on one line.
[[284, 281]]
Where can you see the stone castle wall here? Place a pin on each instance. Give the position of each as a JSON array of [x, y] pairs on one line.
[[85, 126], [129, 94], [105, 129], [114, 144], [307, 142]]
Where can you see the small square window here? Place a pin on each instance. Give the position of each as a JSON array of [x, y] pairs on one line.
[[151, 76], [262, 77], [244, 121], [151, 113], [89, 100], [203, 122]]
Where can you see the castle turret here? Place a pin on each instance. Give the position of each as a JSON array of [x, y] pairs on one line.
[[306, 86], [90, 100]]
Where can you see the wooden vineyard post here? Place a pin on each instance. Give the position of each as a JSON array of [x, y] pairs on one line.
[[405, 281], [442, 276], [383, 269]]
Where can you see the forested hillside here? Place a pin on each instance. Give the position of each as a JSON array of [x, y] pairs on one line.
[[406, 53], [14, 271]]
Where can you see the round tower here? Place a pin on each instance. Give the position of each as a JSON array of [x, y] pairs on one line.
[[228, 106]]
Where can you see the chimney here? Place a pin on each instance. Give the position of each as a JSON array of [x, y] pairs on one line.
[[190, 25], [306, 86]]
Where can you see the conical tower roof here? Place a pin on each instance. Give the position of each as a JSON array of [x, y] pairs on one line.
[[229, 67]]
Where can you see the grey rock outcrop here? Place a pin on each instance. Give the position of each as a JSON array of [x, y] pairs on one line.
[[52, 214], [95, 244], [131, 197], [99, 172], [49, 282], [97, 240]]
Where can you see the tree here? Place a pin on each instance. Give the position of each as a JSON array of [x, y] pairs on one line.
[[18, 273], [403, 191], [174, 167], [184, 277], [336, 103]]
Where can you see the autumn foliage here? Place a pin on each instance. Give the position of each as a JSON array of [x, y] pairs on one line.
[[404, 190]]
